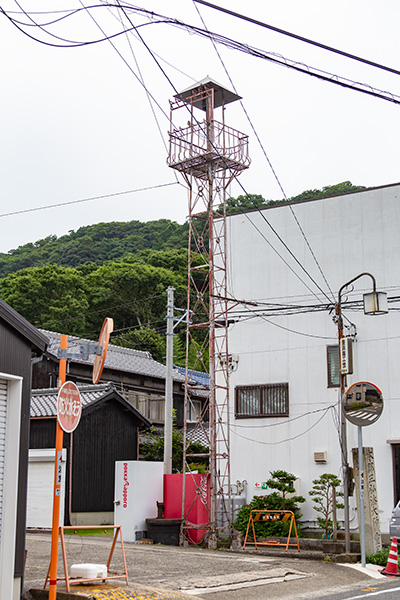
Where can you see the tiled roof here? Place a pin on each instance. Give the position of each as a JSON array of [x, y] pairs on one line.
[[197, 376], [44, 401], [118, 358]]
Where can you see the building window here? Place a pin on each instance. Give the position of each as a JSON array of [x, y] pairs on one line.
[[270, 400], [333, 365], [193, 411]]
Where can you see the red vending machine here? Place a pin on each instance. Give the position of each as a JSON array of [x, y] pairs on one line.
[[197, 501]]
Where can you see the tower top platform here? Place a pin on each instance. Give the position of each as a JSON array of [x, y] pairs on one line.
[[222, 95]]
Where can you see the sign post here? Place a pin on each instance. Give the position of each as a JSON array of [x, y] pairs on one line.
[[69, 409], [362, 405], [62, 369]]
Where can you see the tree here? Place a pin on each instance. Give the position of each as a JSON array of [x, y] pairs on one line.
[[51, 297], [144, 339], [323, 493], [153, 449]]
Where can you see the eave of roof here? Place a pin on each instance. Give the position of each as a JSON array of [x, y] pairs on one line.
[[38, 340], [44, 401]]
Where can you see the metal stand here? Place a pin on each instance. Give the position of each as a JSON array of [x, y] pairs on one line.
[[110, 574]]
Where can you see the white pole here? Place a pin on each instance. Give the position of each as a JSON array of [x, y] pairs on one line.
[[361, 478], [169, 384]]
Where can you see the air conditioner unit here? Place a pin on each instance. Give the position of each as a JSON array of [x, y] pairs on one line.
[[320, 456]]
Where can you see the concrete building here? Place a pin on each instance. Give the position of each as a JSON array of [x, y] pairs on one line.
[[285, 385]]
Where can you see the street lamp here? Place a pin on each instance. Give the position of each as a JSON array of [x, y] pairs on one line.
[[375, 303]]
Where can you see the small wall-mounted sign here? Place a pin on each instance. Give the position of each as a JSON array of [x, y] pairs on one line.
[[261, 485]]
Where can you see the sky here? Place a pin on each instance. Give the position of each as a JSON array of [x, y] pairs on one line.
[[89, 121]]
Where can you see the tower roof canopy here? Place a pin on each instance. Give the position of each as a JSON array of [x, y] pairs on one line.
[[222, 96]]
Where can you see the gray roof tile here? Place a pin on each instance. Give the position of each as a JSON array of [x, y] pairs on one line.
[[44, 401], [122, 359]]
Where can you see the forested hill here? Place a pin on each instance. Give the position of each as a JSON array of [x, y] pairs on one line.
[[121, 270], [103, 242], [96, 244]]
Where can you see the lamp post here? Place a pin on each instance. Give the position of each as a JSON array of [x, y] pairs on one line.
[[375, 303]]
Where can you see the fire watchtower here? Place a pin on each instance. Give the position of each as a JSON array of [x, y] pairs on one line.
[[207, 146], [209, 155]]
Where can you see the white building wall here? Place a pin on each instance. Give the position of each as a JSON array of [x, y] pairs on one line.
[[349, 235]]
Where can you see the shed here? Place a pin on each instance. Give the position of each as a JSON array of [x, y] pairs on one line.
[[108, 432], [20, 344]]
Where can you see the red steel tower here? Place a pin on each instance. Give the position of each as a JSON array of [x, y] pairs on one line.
[[209, 155]]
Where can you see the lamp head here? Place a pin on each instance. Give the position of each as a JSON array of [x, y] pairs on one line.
[[375, 303]]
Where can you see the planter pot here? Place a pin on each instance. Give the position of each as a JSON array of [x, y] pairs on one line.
[[164, 531]]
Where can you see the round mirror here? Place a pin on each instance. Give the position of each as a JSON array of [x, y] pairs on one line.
[[362, 403]]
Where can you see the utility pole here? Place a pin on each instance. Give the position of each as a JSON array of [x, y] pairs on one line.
[[169, 384]]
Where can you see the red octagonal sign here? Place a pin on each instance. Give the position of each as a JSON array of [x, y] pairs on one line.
[[69, 407]]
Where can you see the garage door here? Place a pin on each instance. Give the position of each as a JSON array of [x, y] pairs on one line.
[[41, 488], [3, 422]]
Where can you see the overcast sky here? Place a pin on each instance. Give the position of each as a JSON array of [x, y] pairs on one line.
[[77, 123]]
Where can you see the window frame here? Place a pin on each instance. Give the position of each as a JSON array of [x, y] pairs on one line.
[[263, 400], [330, 382]]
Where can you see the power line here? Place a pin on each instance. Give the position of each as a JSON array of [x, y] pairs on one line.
[[169, 80], [240, 184], [299, 37], [272, 57], [145, 189], [238, 425], [266, 156], [295, 437]]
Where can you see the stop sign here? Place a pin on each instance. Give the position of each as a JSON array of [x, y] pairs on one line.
[[69, 407]]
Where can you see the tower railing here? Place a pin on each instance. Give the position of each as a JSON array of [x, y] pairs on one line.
[[191, 149]]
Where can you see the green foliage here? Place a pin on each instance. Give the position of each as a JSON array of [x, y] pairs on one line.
[[98, 244], [153, 449], [144, 339], [283, 482], [47, 295], [380, 558], [69, 284], [255, 201], [322, 496]]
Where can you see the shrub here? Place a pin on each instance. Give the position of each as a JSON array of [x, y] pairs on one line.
[[380, 558], [278, 500]]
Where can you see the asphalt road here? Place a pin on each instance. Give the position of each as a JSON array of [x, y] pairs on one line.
[[217, 575]]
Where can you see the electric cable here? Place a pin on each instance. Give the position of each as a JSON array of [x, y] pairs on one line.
[[276, 58], [238, 425], [265, 153], [169, 80], [145, 189], [290, 439], [299, 37]]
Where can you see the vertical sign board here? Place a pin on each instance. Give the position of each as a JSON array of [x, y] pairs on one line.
[[346, 355], [373, 540]]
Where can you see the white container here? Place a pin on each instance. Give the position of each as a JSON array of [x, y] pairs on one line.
[[88, 571]]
